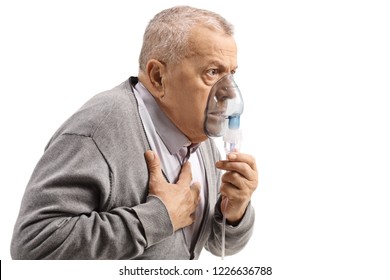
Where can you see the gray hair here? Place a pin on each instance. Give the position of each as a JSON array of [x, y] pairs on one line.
[[166, 37]]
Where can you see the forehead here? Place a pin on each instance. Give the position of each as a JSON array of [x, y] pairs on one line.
[[208, 44]]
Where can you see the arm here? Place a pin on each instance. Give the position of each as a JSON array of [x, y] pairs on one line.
[[66, 213]]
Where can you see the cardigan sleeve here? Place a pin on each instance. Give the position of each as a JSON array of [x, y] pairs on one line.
[[236, 237], [65, 215]]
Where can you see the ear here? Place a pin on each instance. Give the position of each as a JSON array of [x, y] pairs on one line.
[[154, 73]]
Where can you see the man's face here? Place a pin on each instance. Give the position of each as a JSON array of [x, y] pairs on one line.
[[187, 85]]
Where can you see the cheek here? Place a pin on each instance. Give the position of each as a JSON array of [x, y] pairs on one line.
[[199, 100], [195, 99], [188, 101], [192, 110]]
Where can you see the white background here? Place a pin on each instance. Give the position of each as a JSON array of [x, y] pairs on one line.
[[315, 76]]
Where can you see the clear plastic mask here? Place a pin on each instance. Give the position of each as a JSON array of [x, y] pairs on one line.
[[225, 102]]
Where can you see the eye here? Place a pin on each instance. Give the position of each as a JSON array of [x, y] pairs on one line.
[[212, 72]]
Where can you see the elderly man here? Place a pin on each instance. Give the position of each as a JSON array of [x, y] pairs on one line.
[[133, 173]]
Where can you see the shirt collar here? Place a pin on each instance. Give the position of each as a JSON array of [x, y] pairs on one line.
[[172, 137]]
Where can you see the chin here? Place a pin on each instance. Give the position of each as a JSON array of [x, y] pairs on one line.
[[198, 139]]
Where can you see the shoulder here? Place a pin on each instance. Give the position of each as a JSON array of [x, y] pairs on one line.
[[112, 109]]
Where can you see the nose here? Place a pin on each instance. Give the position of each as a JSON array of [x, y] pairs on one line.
[[225, 89]]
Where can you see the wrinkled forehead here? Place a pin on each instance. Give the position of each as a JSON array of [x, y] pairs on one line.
[[209, 43]]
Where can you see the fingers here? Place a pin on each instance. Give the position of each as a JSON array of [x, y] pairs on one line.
[[240, 163], [195, 191], [234, 202], [233, 158], [235, 179], [181, 199], [238, 184], [185, 176], [240, 157], [186, 205], [195, 194], [234, 193]]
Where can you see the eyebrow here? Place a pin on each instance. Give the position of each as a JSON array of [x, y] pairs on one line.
[[220, 63]]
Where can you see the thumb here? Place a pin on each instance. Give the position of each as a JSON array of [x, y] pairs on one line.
[[153, 164]]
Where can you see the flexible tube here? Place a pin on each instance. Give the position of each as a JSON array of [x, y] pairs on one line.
[[223, 231]]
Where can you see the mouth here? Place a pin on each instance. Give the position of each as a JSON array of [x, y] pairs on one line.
[[220, 114], [216, 118], [215, 122]]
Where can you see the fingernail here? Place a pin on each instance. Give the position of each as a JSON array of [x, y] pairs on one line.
[[232, 156], [218, 164]]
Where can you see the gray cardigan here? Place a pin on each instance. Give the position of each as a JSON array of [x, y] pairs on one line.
[[88, 195]]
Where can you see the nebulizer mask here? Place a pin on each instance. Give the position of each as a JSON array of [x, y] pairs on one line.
[[224, 108]]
